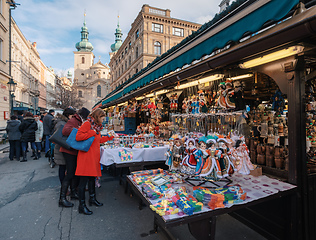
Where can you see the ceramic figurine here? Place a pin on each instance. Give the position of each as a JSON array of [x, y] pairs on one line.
[[226, 165]]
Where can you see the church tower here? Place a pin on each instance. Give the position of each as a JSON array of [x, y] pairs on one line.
[[84, 56], [118, 39]]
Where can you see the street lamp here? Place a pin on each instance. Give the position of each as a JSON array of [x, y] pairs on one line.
[[12, 86]]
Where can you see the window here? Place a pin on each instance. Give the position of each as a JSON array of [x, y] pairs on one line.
[[82, 60], [177, 31], [125, 65], [99, 91], [125, 50], [136, 52], [136, 70], [129, 61], [80, 94], [136, 34], [130, 45], [157, 48], [82, 74], [157, 27]]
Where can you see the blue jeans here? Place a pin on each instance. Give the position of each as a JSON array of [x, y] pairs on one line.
[[36, 146], [47, 142], [15, 147], [24, 146]]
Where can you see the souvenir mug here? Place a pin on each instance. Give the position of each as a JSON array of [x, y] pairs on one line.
[[270, 139], [263, 129], [276, 141]]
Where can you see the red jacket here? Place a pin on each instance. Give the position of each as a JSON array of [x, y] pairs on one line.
[[88, 163], [74, 122]]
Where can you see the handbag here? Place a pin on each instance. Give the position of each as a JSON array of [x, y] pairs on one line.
[[59, 138], [79, 145]]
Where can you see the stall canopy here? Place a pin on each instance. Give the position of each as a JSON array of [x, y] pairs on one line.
[[248, 20]]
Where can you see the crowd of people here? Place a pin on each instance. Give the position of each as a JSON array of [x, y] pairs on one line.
[[76, 168]]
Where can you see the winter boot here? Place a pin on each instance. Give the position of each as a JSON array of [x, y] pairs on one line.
[[24, 157], [33, 153], [63, 202], [73, 194], [92, 199], [83, 208], [39, 154]]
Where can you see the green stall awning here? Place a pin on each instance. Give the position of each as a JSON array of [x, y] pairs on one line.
[[252, 22]]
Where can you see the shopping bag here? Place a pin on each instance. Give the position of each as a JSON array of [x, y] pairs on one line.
[[58, 138], [79, 145]]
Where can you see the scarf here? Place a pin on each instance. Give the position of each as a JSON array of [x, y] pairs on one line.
[[94, 126]]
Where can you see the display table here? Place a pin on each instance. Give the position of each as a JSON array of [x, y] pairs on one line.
[[202, 224], [140, 155]]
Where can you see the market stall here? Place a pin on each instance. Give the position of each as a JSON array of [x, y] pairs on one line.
[[268, 73], [175, 202]]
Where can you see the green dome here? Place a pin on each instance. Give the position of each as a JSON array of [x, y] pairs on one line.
[[118, 39], [84, 45]]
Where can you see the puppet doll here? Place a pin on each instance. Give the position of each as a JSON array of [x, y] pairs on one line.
[[238, 96], [203, 107], [226, 165], [169, 155], [242, 159], [184, 105], [221, 102], [201, 156], [229, 95], [177, 154], [189, 161]]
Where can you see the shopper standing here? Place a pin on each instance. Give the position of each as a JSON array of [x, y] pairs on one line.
[[61, 120], [37, 145], [14, 136], [88, 163], [70, 156], [48, 129], [27, 128]]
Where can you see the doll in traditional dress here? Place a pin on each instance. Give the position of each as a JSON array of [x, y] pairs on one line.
[[184, 105], [169, 155], [203, 107], [193, 100], [242, 159], [201, 156], [229, 95], [221, 102], [189, 161], [226, 165], [177, 154]]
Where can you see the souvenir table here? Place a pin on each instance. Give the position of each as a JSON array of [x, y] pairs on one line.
[[140, 157], [202, 222]]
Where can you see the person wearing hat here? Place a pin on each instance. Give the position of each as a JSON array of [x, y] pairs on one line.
[[226, 165], [201, 155]]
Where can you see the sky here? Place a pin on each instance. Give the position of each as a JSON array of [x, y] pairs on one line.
[[55, 25]]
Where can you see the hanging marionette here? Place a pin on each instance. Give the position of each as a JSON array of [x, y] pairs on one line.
[[221, 102], [197, 105], [189, 105], [238, 96], [229, 95], [193, 111], [278, 102], [184, 105], [189, 161], [203, 107], [175, 99]]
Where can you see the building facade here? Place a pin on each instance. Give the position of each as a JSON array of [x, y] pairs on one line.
[[4, 61], [26, 72], [91, 81], [152, 33], [42, 99]]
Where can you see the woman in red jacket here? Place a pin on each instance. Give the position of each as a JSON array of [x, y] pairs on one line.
[[88, 163]]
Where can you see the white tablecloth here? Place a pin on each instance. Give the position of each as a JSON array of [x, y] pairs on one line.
[[110, 156]]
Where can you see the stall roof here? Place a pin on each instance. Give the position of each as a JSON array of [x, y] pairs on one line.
[[212, 36]]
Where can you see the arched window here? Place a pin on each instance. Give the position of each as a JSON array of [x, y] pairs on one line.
[[82, 60], [136, 52], [99, 91], [79, 93], [157, 48]]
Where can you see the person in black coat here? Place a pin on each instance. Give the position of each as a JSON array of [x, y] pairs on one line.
[[27, 128], [14, 136], [48, 129]]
